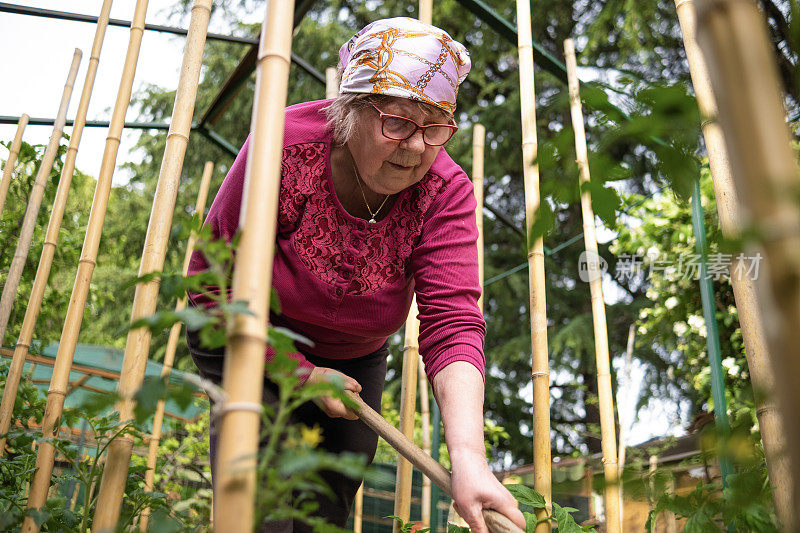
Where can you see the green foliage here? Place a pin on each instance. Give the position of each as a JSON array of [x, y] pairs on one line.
[[745, 505], [407, 527], [66, 254], [671, 328], [562, 516]]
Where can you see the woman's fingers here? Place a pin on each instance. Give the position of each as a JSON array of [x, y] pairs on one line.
[[472, 515], [511, 511], [335, 408]]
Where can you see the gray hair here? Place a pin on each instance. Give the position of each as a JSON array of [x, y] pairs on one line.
[[342, 113]]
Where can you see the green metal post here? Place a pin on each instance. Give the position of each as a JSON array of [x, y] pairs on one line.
[[436, 423], [712, 333]]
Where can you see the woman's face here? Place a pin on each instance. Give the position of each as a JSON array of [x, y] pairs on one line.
[[387, 166]]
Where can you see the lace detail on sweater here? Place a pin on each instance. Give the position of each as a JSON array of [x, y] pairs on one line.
[[329, 241]]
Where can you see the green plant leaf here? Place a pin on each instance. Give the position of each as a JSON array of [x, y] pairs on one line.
[[566, 523], [527, 496]]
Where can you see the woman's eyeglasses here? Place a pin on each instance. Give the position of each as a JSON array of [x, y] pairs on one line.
[[399, 128]]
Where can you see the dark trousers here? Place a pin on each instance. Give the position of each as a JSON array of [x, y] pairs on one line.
[[339, 434]]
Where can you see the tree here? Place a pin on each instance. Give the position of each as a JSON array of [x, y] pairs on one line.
[[640, 68]]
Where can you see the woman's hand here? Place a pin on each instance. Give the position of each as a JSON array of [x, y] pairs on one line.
[[475, 488], [333, 407]]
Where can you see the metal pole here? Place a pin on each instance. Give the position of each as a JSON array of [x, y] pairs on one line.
[[712, 333]]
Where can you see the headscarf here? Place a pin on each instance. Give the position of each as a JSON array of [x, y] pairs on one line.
[[406, 58]]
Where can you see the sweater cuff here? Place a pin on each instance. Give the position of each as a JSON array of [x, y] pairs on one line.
[[456, 353], [304, 367]]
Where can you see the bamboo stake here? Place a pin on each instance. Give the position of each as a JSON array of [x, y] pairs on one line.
[[425, 411], [495, 521], [35, 201], [172, 345], [359, 509], [115, 473], [331, 83], [589, 488], [69, 334], [730, 215], [426, 11], [669, 517], [605, 391], [234, 489], [733, 38], [408, 400], [626, 381], [478, 143], [53, 229], [540, 369], [653, 467], [8, 168]]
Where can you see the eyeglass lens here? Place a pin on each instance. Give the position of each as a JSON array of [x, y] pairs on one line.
[[398, 128]]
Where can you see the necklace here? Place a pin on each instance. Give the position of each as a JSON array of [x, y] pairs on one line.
[[361, 188]]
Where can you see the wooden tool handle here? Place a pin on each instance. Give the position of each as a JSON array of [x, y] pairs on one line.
[[495, 521]]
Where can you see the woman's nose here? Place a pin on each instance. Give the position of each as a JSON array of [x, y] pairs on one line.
[[415, 143]]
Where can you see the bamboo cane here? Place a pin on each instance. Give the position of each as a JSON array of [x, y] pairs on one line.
[[669, 517], [495, 521], [734, 41], [478, 143], [53, 229], [653, 467], [589, 488], [425, 412], [605, 391], [540, 369], [626, 381], [623, 402], [244, 360], [8, 168], [359, 509], [408, 400], [172, 345], [744, 290], [115, 473], [35, 201], [69, 334], [331, 83], [426, 11]]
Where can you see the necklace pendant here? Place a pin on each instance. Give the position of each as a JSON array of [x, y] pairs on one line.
[[372, 220]]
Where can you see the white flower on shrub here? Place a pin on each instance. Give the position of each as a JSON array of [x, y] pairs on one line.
[[671, 302], [729, 364], [696, 322], [680, 328]]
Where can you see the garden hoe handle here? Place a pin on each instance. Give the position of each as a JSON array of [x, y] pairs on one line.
[[495, 521]]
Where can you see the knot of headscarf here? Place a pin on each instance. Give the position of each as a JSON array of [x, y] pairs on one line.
[[406, 58]]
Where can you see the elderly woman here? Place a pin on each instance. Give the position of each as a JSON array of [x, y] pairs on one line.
[[372, 210]]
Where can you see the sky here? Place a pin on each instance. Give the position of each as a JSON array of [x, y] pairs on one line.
[[38, 51], [43, 50]]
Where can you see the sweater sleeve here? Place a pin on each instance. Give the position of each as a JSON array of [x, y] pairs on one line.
[[445, 266], [223, 218]]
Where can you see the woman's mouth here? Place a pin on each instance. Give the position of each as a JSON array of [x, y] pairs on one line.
[[400, 167]]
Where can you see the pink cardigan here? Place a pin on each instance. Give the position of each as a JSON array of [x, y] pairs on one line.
[[347, 284]]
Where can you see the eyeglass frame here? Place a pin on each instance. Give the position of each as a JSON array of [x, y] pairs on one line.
[[453, 127]]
